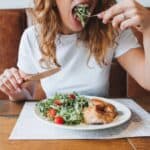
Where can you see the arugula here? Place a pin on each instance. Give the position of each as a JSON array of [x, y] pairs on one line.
[[82, 12], [70, 109]]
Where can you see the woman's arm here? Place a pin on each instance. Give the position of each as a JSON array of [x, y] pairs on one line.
[[126, 14], [137, 62]]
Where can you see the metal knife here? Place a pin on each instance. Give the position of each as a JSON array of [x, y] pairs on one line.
[[41, 75]]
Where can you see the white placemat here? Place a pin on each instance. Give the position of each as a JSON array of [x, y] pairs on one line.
[[28, 126]]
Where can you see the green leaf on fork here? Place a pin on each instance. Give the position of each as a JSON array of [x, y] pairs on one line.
[[82, 12]]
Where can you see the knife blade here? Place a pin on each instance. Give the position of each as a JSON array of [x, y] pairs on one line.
[[42, 75], [38, 76]]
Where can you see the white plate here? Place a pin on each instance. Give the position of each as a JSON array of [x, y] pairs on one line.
[[124, 114]]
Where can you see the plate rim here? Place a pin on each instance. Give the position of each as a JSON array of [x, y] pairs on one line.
[[90, 127]]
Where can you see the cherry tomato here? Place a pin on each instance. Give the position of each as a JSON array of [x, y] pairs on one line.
[[59, 120], [72, 97], [51, 113], [57, 102]]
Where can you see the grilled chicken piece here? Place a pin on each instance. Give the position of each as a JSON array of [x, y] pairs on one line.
[[99, 112]]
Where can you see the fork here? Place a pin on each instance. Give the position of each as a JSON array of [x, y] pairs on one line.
[[92, 16]]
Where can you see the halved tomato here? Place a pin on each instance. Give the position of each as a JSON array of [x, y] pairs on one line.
[[59, 120], [72, 97]]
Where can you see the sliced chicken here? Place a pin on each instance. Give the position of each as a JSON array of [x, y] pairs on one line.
[[99, 112]]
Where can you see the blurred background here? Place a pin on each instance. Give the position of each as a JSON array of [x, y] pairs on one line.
[[15, 16]]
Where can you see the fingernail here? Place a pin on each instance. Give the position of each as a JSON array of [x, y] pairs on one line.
[[113, 24], [100, 16], [104, 21]]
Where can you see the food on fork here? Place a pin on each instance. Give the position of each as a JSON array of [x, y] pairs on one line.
[[73, 109], [82, 12]]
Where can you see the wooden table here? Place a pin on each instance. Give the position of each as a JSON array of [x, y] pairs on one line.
[[9, 112]]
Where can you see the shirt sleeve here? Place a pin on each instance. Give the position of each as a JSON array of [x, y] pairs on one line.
[[25, 57], [126, 42]]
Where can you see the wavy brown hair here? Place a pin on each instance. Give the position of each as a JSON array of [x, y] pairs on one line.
[[97, 36]]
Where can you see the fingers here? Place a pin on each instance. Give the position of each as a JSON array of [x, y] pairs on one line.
[[130, 23], [14, 83], [119, 8], [4, 89], [125, 14], [17, 75], [13, 79], [117, 20], [111, 12], [10, 81], [131, 13], [8, 84]]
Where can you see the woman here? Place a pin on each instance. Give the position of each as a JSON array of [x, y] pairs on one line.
[[84, 54]]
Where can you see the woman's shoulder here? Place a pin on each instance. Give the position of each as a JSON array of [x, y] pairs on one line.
[[31, 31], [30, 36], [29, 39]]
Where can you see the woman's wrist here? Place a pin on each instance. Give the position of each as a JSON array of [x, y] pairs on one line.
[[24, 94]]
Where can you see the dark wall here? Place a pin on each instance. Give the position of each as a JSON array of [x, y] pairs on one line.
[[12, 24]]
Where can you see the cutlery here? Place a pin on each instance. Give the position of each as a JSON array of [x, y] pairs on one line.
[[92, 16], [41, 75]]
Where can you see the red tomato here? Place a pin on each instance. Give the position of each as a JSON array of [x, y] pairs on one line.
[[72, 96], [59, 120], [57, 102], [51, 113]]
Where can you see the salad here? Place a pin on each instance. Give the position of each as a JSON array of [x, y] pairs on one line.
[[64, 108], [82, 12]]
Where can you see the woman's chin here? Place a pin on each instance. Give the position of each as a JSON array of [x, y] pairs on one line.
[[77, 29]]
